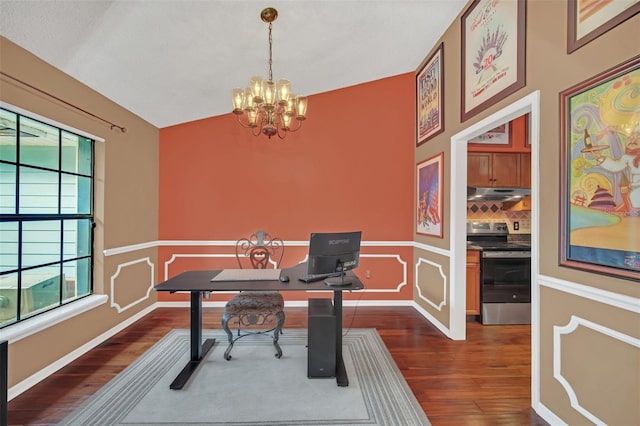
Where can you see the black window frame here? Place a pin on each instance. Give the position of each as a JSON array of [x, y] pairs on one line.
[[23, 218]]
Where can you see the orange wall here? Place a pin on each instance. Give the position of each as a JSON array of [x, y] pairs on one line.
[[350, 167]]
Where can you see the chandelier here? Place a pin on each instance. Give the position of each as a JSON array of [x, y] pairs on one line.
[[268, 107]]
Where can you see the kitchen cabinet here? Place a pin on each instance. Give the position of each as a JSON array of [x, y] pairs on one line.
[[494, 169], [525, 170], [473, 282]]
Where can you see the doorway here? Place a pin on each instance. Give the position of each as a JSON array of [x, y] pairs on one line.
[[530, 105]]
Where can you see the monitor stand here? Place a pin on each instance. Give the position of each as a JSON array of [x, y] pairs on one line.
[[338, 281]]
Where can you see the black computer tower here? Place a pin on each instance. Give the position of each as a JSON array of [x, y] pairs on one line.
[[321, 343]]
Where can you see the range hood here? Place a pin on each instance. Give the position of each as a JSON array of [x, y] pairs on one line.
[[496, 194]]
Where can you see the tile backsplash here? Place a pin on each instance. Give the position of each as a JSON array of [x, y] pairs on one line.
[[491, 211]]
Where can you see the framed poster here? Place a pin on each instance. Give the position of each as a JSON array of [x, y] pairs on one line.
[[589, 19], [430, 97], [600, 176], [429, 176], [493, 53], [500, 135]]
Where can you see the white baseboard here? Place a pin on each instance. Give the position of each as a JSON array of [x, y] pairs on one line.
[[57, 365]]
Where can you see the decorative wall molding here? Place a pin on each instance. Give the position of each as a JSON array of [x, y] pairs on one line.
[[186, 243], [121, 266], [573, 324], [404, 273], [432, 249], [617, 300], [395, 289], [443, 302], [130, 248]]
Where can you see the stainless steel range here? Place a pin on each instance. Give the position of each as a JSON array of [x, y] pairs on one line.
[[505, 274]]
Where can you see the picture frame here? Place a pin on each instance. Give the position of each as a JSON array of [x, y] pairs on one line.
[[493, 53], [600, 195], [499, 136], [588, 20], [429, 196], [430, 97]]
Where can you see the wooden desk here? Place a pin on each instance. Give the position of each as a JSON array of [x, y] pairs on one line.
[[199, 282]]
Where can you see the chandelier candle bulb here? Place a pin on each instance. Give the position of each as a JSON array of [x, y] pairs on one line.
[[248, 99], [256, 88], [290, 106], [252, 115], [238, 101], [284, 90], [301, 107], [286, 121], [268, 107], [269, 92]]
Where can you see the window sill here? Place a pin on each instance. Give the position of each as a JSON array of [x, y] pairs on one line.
[[13, 333]]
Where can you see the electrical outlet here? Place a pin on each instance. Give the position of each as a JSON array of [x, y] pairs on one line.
[[516, 226], [367, 273]]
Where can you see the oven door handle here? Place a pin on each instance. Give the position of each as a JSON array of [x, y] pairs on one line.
[[506, 254]]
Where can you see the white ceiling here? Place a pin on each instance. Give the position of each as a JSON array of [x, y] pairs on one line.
[[174, 61]]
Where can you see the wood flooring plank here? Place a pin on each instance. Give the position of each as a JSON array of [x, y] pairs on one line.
[[484, 380]]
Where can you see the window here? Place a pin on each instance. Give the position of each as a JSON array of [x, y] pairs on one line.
[[46, 217]]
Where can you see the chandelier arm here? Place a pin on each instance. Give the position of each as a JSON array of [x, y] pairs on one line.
[[298, 127], [245, 125], [256, 130]]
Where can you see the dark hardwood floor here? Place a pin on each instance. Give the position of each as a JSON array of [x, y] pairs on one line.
[[484, 380]]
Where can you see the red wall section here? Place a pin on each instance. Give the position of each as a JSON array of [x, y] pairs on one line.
[[350, 167]]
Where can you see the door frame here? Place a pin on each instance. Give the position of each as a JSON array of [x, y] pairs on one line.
[[529, 104]]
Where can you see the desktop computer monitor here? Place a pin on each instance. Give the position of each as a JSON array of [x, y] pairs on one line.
[[334, 253]]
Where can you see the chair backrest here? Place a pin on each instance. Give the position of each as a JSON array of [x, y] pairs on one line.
[[259, 250]]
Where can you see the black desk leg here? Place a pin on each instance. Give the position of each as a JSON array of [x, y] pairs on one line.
[[4, 382], [341, 371], [198, 350]]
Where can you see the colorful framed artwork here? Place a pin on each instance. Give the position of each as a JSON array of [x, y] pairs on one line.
[[600, 173], [589, 19], [500, 135], [493, 53], [430, 97], [429, 176]]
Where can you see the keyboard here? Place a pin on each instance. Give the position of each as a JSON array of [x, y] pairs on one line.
[[311, 278]]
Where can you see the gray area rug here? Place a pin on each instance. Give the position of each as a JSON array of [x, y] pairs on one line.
[[255, 387]]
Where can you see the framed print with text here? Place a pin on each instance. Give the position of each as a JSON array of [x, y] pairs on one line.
[[430, 97], [589, 19], [429, 176], [600, 176], [493, 53]]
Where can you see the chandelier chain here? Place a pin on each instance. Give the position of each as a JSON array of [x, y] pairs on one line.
[[270, 53]]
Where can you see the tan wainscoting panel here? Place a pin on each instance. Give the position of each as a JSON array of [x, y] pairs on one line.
[[575, 382], [432, 286]]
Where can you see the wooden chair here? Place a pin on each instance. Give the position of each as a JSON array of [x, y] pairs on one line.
[[256, 308]]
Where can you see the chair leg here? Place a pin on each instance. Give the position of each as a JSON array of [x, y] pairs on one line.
[[225, 327], [276, 333]]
